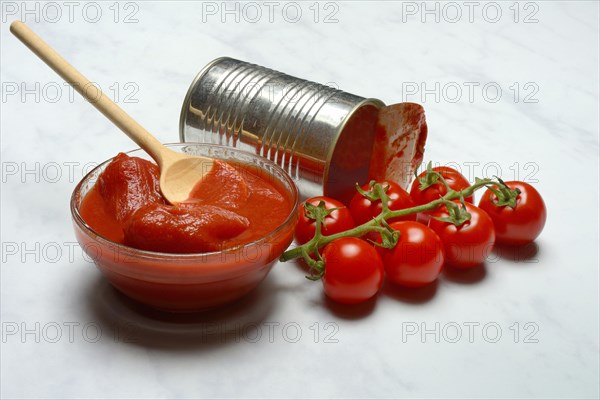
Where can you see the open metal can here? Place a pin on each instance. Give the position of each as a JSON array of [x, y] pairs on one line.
[[323, 137]]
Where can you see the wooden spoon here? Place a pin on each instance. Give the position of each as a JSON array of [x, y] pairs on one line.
[[179, 173]]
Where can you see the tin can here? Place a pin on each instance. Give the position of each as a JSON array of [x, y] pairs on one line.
[[323, 137]]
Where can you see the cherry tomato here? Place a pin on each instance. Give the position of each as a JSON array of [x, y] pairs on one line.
[[418, 257], [469, 244], [519, 225], [353, 270], [338, 221], [454, 179], [364, 210]]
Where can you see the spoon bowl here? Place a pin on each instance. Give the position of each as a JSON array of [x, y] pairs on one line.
[[180, 174]]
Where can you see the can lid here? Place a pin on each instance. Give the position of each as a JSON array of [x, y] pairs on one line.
[[400, 137]]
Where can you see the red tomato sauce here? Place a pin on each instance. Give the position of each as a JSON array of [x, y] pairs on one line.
[[234, 204]]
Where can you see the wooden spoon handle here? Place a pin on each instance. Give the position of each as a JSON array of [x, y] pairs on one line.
[[88, 90]]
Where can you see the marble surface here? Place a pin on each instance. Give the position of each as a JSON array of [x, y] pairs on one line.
[[509, 88]]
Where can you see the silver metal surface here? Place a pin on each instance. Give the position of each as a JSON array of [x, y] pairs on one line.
[[320, 135]]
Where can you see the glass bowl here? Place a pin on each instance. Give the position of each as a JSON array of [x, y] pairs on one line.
[[188, 282]]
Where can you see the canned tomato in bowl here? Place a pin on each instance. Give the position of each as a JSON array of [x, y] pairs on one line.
[[179, 281], [323, 137]]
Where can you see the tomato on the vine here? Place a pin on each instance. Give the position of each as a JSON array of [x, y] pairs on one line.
[[364, 209], [418, 257], [523, 223], [469, 244], [337, 221], [353, 270], [454, 179]]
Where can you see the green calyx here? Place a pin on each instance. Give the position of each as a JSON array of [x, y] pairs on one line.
[[316, 268], [389, 236], [318, 212], [457, 214], [376, 191], [505, 196], [430, 178]]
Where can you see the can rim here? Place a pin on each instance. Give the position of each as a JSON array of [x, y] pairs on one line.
[[371, 101], [186, 100]]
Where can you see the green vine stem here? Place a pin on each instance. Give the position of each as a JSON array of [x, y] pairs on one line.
[[375, 225]]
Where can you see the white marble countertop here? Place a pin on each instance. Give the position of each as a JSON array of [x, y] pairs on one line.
[[509, 88]]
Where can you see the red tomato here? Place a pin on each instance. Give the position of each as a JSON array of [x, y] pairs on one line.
[[469, 244], [455, 180], [418, 257], [364, 210], [128, 184], [353, 270], [519, 225], [170, 229], [338, 221]]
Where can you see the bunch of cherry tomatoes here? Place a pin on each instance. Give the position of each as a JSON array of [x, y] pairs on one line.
[[456, 234]]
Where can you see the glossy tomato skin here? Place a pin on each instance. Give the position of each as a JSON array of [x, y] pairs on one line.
[[364, 210], [353, 270], [455, 180], [338, 221], [418, 257], [468, 245], [520, 225]]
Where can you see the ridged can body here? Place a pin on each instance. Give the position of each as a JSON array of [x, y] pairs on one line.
[[320, 135]]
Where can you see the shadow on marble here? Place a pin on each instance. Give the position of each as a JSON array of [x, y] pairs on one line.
[[527, 254], [466, 276], [410, 295], [139, 325], [349, 311]]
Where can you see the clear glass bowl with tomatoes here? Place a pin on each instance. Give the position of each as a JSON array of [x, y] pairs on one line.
[[192, 281]]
